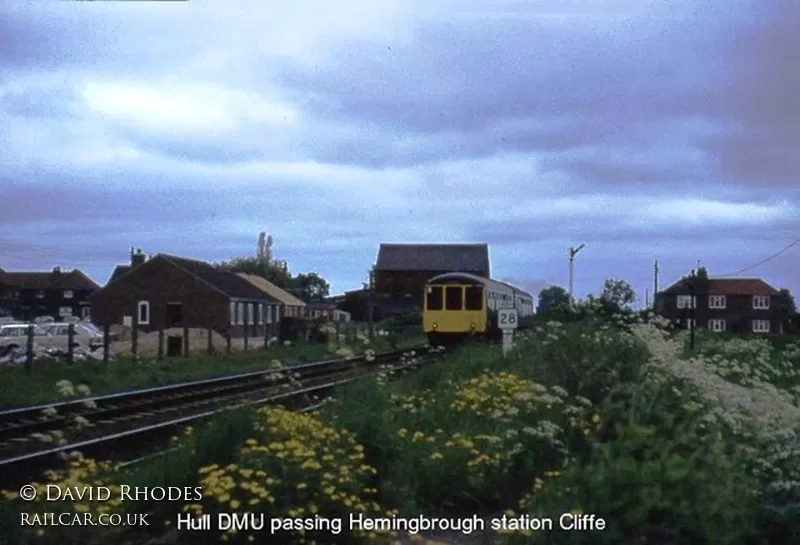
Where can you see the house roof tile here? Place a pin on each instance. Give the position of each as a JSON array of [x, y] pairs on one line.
[[119, 272], [433, 257], [226, 282], [72, 280], [729, 286], [276, 293]]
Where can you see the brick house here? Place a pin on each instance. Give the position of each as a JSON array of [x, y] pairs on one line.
[[59, 294], [290, 306], [328, 311], [169, 291], [735, 305], [401, 270]]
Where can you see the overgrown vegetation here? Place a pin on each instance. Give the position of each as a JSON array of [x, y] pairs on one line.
[[600, 416], [18, 387]]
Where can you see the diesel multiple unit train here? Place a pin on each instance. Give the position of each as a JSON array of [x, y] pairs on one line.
[[460, 305]]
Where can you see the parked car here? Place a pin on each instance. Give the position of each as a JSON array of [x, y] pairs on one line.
[[55, 335], [51, 335]]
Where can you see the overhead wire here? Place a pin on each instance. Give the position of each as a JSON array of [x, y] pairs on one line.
[[765, 260]]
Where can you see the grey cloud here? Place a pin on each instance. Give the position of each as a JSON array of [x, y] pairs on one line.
[[57, 100]]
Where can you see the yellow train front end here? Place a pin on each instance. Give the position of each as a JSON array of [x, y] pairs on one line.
[[453, 311]]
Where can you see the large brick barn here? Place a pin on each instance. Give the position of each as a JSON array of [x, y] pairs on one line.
[[401, 270]]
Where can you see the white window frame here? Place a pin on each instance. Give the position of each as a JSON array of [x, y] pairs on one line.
[[250, 314], [258, 313], [717, 325], [761, 326], [277, 314], [64, 311], [143, 305], [233, 313], [717, 301], [691, 323], [761, 302], [239, 313], [686, 301], [269, 314], [68, 294]]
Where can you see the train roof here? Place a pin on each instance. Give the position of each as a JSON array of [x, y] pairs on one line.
[[488, 282]]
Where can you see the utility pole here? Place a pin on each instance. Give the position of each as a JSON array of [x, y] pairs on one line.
[[692, 309], [572, 253], [370, 304], [655, 284]]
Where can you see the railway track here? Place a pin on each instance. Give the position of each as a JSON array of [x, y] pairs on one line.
[[32, 438]]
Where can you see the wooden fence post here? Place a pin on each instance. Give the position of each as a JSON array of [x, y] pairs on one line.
[[29, 349], [246, 320], [161, 343], [185, 341], [135, 334], [70, 341], [106, 342]]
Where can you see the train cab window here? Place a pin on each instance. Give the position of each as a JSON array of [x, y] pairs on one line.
[[473, 298], [435, 299], [454, 298]]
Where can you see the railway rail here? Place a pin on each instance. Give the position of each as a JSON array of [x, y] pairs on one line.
[[32, 438]]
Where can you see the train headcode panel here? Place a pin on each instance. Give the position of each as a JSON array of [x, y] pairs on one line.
[[507, 318]]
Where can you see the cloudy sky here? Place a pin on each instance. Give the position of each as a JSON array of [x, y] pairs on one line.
[[648, 130]]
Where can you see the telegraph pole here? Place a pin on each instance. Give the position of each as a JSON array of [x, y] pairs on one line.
[[655, 284], [572, 253], [692, 310], [370, 304]]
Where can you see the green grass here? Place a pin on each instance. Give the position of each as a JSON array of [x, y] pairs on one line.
[[19, 387], [577, 417]]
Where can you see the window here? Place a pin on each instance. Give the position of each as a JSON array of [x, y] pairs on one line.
[[716, 325], [691, 324], [250, 316], [761, 326], [67, 294], [40, 294], [716, 301], [259, 313], [434, 299], [473, 298], [65, 311], [240, 313], [687, 301], [454, 298], [86, 312], [269, 314], [761, 301], [233, 313], [144, 312]]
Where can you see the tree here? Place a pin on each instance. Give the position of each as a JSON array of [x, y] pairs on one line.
[[310, 287], [618, 293], [551, 298], [275, 272], [357, 304], [785, 303]]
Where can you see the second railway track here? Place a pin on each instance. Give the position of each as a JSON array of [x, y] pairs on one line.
[[27, 431]]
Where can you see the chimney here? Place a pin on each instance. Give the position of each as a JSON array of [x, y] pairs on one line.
[[137, 258]]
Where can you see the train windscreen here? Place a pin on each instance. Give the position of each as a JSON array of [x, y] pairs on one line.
[[473, 298], [435, 301], [454, 298]]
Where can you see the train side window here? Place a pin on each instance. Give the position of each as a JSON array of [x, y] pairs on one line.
[[473, 298], [454, 298], [435, 299]]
